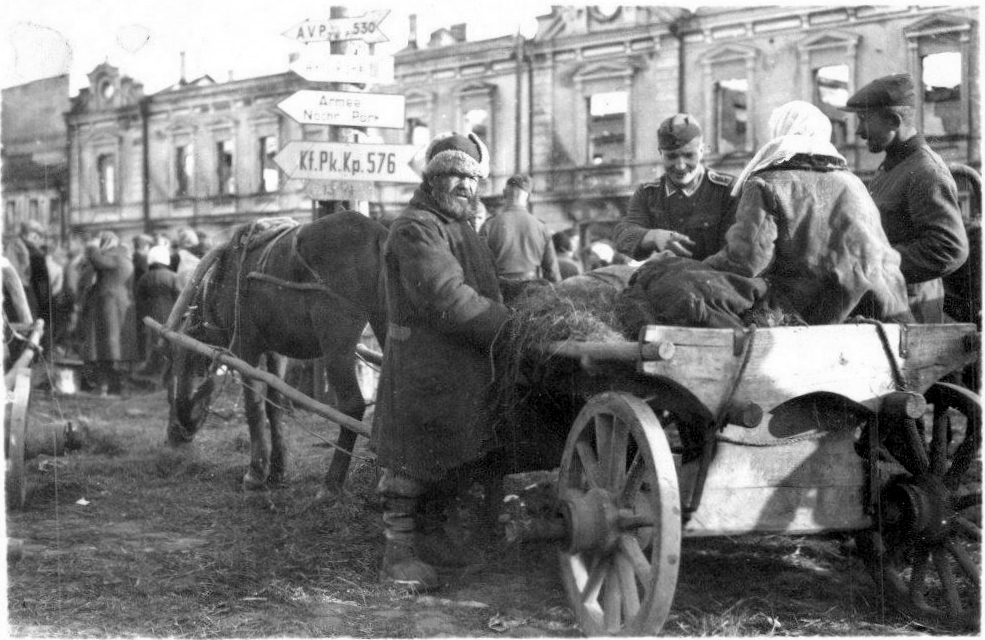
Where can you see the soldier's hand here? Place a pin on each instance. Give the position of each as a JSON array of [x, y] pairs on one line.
[[666, 240]]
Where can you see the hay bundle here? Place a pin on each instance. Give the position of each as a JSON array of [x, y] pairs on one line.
[[532, 418]]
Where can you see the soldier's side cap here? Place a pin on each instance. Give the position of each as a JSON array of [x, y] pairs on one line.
[[676, 131], [896, 90], [520, 181]]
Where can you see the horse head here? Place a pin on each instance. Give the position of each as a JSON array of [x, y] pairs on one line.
[[190, 384]]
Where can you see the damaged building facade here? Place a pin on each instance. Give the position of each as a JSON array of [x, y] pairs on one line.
[[576, 106]]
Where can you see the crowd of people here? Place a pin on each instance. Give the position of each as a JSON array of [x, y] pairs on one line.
[[91, 293]]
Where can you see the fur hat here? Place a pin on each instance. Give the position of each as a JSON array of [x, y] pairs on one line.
[[455, 153]]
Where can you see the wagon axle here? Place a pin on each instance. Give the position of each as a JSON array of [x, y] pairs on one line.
[[589, 521]]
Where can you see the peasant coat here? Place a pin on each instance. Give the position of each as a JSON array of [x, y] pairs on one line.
[[445, 311], [809, 227]]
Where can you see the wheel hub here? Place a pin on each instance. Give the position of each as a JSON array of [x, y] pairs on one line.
[[591, 520], [916, 508]]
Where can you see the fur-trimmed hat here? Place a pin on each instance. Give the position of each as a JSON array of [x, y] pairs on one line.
[[457, 153]]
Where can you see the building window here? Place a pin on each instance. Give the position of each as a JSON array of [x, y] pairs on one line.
[[33, 211], [477, 122], [731, 115], [942, 47], [106, 168], [10, 214], [184, 165], [830, 94], [269, 174], [418, 133], [607, 127], [224, 167], [54, 211], [941, 93]]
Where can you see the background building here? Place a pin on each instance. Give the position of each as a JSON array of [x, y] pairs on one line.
[[576, 107], [33, 153]]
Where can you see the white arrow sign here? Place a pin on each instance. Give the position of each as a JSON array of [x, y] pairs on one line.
[[344, 68], [345, 109], [366, 28], [340, 161]]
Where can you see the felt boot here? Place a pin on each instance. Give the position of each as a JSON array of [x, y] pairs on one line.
[[441, 539], [401, 566]]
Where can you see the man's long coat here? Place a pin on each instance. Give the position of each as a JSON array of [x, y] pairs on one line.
[[445, 311]]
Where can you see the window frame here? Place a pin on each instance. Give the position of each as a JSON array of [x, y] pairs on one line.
[[598, 78], [721, 57], [821, 50], [107, 196], [932, 35]]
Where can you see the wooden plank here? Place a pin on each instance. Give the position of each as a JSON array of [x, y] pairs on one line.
[[785, 362], [285, 389], [806, 486], [934, 350]]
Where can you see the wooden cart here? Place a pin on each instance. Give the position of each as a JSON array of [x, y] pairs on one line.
[[17, 382], [704, 432]]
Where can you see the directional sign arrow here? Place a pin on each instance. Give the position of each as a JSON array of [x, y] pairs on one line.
[[366, 28], [344, 68], [345, 109], [341, 161]]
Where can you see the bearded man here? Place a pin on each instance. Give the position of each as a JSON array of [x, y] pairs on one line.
[[445, 311]]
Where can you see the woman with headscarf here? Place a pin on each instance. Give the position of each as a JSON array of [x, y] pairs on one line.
[[108, 322], [808, 227]]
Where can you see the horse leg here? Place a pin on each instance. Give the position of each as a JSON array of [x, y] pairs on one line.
[[341, 373], [277, 365], [254, 404]]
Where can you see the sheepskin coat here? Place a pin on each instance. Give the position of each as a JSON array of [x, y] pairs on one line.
[[108, 319], [445, 312], [809, 227]]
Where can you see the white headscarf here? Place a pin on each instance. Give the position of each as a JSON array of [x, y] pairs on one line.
[[797, 127]]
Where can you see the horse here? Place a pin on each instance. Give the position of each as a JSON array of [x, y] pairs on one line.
[[279, 290]]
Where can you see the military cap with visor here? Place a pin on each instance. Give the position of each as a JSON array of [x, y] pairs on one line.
[[676, 131]]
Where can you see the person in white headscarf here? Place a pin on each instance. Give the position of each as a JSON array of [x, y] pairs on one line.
[[808, 226]]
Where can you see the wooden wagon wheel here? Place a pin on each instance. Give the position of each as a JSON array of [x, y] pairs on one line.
[[16, 434], [618, 487], [925, 551]]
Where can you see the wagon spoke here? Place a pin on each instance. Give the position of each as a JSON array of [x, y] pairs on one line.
[[618, 447], [967, 529], [938, 445], [588, 462], [634, 479], [918, 578], [627, 584], [946, 575], [605, 424], [611, 599], [965, 561], [596, 574], [630, 548]]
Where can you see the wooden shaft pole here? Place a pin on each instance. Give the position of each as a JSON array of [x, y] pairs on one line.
[[245, 369]]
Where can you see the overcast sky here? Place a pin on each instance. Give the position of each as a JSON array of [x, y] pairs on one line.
[[144, 38]]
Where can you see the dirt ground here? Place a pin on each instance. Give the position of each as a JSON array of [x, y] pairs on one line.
[[129, 537]]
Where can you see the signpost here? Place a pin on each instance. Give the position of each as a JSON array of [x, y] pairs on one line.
[[350, 69], [339, 190], [365, 27], [345, 109], [344, 161]]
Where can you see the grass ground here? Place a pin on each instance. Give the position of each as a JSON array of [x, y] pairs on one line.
[[129, 537]]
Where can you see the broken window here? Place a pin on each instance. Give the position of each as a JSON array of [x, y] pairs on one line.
[[607, 127]]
